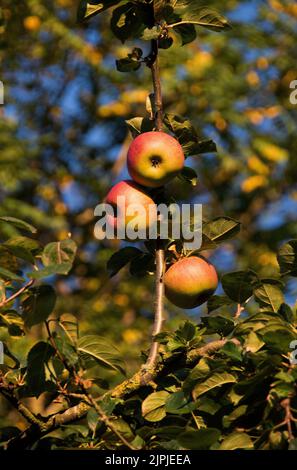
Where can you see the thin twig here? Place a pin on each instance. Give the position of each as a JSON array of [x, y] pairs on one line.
[[240, 308], [107, 422], [17, 294], [89, 397]]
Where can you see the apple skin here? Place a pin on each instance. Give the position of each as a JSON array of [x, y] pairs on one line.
[[189, 282], [133, 194], [154, 158]]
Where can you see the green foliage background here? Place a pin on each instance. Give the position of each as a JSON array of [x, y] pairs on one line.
[[63, 140]]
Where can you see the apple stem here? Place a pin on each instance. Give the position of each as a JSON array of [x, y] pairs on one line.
[[160, 253]]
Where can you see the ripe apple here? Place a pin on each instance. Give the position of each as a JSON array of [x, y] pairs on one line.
[[154, 158], [190, 281], [132, 206]]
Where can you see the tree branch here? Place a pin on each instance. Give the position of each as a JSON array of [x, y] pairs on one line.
[[8, 393], [155, 69], [134, 384], [153, 63]]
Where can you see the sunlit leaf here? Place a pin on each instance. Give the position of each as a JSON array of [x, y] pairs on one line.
[[100, 350], [153, 407]]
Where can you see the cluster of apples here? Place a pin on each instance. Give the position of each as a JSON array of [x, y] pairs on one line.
[[153, 160]]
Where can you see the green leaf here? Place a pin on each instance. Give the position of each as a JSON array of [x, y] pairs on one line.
[[177, 403], [237, 440], [253, 342], [142, 265], [187, 33], [202, 439], [69, 325], [207, 405], [100, 350], [232, 350], [153, 407], [278, 339], [122, 257], [216, 380], [38, 356], [50, 271], [287, 258], [38, 305], [138, 125], [60, 253], [234, 415], [66, 349], [87, 9], [269, 295], [286, 312], [77, 429], [151, 33], [161, 8], [13, 322], [57, 257], [127, 21], [22, 247], [189, 175], [204, 146], [206, 17], [165, 42], [6, 274], [186, 331], [93, 419], [251, 385], [217, 301], [200, 371], [239, 285], [218, 230], [127, 65], [183, 130], [19, 224], [217, 324]]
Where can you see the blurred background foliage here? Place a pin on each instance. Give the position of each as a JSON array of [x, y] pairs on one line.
[[63, 143]]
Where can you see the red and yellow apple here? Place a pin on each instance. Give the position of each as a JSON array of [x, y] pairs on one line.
[[132, 207], [190, 282], [154, 158]]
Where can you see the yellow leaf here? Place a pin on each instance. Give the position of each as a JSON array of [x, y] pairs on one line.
[[255, 164], [116, 108], [32, 23], [132, 336], [271, 152], [272, 112], [199, 63], [252, 78], [253, 182], [255, 116], [262, 63], [268, 258], [134, 96], [276, 5]]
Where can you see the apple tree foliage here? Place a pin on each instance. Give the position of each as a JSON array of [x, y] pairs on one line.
[[71, 334]]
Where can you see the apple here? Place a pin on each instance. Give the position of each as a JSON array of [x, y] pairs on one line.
[[132, 207], [154, 158], [189, 282]]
